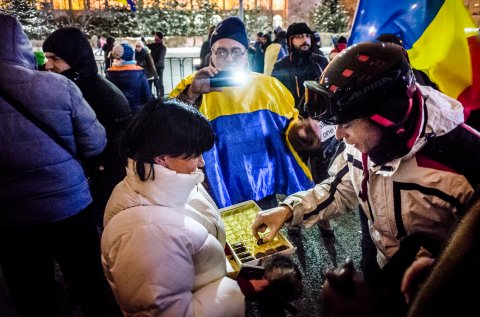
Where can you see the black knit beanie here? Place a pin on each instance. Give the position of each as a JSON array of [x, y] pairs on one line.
[[230, 28]]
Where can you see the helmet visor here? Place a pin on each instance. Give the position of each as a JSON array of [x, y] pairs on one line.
[[318, 102]]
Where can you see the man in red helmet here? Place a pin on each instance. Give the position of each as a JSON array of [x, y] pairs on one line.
[[401, 162]]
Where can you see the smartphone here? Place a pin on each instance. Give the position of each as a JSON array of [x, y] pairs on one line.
[[226, 79], [251, 272]]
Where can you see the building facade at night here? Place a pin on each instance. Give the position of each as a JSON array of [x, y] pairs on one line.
[[287, 10]]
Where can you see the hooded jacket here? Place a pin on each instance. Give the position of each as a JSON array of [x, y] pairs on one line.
[[132, 81], [40, 182], [423, 191], [108, 102], [163, 248]]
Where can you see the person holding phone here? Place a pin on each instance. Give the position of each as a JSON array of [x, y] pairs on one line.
[[251, 159]]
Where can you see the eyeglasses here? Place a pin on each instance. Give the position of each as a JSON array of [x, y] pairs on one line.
[[236, 53]]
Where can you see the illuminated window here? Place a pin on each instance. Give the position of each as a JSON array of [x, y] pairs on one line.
[[278, 5], [231, 4], [264, 4]]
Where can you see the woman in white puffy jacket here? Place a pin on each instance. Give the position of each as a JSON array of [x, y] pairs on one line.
[[163, 243]]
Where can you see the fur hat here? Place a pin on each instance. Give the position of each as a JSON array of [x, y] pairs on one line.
[[122, 51], [231, 28], [298, 28]]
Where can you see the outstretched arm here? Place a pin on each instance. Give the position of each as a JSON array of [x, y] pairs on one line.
[[271, 218]]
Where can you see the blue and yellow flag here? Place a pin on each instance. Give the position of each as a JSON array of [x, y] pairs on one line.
[[251, 158], [128, 3], [439, 36]]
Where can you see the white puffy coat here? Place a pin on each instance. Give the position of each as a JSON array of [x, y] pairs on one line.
[[162, 256]]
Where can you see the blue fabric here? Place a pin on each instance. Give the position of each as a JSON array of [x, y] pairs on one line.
[[258, 58], [281, 53], [267, 168], [375, 17], [127, 52], [41, 182], [134, 85]]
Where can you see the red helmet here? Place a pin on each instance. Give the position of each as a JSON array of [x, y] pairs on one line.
[[367, 80]]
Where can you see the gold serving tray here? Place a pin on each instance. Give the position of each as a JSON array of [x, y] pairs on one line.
[[243, 247]]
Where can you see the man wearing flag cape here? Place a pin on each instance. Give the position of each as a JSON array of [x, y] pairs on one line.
[[252, 115]]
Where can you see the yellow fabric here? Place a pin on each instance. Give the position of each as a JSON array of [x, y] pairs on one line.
[[260, 92], [443, 46], [271, 55]]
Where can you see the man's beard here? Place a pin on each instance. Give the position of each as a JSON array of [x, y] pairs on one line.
[[302, 54], [301, 48]]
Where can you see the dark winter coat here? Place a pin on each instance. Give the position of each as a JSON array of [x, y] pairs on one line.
[[40, 182], [158, 52], [145, 60], [131, 80], [108, 102], [107, 48], [297, 67]]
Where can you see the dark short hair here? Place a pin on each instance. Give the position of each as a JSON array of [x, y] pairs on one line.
[[342, 39], [284, 277], [211, 29], [166, 127], [159, 34]]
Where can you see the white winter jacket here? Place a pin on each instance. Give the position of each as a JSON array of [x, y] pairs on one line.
[[162, 256], [407, 195]]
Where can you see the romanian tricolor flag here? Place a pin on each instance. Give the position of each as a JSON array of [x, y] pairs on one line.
[[439, 36], [128, 3], [251, 158]]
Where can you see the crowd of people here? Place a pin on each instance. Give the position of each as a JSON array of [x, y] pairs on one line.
[[121, 185]]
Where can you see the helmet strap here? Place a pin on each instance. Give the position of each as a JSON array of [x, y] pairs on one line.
[[384, 122], [395, 144]]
